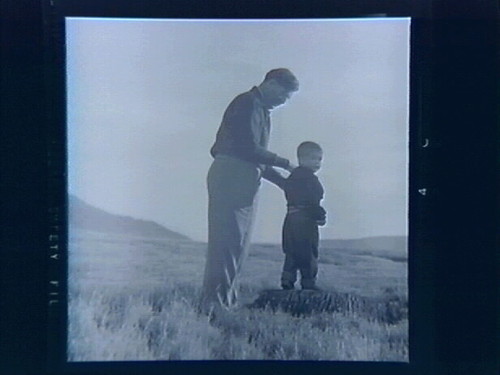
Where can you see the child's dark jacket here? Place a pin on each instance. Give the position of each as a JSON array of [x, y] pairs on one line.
[[303, 190]]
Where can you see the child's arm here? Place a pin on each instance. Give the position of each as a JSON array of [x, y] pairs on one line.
[[316, 191], [272, 175], [320, 216]]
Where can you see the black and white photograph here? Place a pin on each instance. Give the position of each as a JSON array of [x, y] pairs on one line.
[[237, 189]]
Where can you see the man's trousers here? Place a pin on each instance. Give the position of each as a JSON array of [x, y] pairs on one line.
[[232, 190]]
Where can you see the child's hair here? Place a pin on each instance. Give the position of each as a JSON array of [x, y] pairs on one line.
[[305, 148]]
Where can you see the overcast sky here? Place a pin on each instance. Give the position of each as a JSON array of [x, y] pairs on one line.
[[145, 99]]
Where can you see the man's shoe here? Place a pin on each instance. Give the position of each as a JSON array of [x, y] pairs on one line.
[[287, 286]]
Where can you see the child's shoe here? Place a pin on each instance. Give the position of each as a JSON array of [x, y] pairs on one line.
[[312, 287]]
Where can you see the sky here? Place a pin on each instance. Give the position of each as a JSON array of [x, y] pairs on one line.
[[146, 97]]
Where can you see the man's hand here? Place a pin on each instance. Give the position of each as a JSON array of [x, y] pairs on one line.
[[291, 167]]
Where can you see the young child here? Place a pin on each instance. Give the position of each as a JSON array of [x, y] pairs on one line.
[[300, 236]]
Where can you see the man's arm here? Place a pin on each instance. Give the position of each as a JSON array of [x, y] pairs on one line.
[[260, 153], [272, 175], [242, 114]]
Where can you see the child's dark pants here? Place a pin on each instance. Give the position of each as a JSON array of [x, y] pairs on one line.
[[300, 245]]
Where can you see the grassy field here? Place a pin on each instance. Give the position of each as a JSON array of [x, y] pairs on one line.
[[135, 299]]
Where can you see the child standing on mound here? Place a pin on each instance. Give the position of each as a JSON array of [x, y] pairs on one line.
[[300, 237]]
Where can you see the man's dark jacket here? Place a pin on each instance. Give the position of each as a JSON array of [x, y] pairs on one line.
[[244, 131]]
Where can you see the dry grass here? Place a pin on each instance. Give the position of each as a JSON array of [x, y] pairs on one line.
[[163, 324], [133, 299]]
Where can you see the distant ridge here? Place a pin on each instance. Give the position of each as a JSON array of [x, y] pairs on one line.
[[84, 216], [391, 243]]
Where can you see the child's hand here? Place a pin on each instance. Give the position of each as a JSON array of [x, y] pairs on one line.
[[321, 222]]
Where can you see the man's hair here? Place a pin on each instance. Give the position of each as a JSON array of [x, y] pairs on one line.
[[284, 77], [305, 148]]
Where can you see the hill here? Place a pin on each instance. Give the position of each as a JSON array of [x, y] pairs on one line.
[[82, 215], [394, 248], [387, 243]]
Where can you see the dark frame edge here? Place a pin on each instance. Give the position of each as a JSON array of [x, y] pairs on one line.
[[422, 359], [57, 200], [55, 11]]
